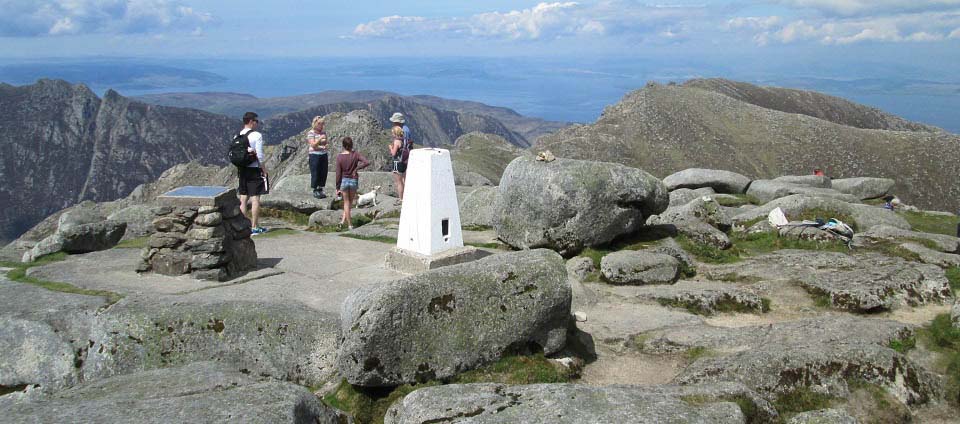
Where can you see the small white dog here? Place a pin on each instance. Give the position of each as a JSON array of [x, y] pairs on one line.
[[368, 198]]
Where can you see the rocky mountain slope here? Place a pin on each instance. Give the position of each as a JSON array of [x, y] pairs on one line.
[[667, 128], [62, 145], [476, 116]]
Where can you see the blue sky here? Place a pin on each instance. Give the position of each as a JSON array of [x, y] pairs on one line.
[[880, 30]]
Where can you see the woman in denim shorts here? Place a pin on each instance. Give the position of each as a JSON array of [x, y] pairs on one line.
[[349, 163]]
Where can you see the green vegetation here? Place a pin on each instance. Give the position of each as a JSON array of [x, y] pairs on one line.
[[953, 275], [942, 337], [595, 255], [707, 253], [370, 405], [19, 274], [279, 232], [935, 224], [476, 228], [760, 243], [801, 399], [297, 218], [725, 305], [765, 304], [134, 243], [903, 345], [698, 352], [381, 239], [881, 407]]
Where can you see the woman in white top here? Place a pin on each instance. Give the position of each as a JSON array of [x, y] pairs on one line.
[[317, 145]]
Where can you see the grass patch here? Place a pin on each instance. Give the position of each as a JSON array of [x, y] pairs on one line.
[[293, 217], [733, 277], [942, 337], [707, 253], [389, 215], [279, 232], [370, 405], [475, 227], [801, 400], [935, 224], [698, 352], [595, 255], [498, 246], [953, 275], [534, 369], [760, 243], [381, 239], [903, 345], [19, 274], [593, 277], [134, 243], [875, 404], [765, 304]]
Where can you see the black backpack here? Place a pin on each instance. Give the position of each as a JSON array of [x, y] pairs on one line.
[[238, 153]]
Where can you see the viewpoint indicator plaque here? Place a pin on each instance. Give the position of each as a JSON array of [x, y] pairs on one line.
[[196, 196]]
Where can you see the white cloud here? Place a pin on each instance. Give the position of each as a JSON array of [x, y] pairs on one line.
[[24, 18], [955, 34], [543, 21], [870, 7], [754, 22]]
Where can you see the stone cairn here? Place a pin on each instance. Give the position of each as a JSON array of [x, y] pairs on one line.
[[209, 240]]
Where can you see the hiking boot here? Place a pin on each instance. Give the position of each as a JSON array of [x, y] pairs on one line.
[[318, 194], [257, 230], [321, 195]]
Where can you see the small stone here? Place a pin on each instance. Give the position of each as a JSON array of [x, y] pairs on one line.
[[639, 267], [209, 220], [187, 213], [148, 252], [580, 316], [208, 260], [168, 224], [205, 233], [207, 209], [214, 245], [162, 210], [216, 274], [239, 223], [171, 264], [167, 240], [230, 212]]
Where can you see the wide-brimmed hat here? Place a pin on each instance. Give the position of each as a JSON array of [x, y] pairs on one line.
[[398, 118]]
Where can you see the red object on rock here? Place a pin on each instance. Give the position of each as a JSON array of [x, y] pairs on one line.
[[818, 172]]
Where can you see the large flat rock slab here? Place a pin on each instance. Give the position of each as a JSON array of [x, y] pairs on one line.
[[825, 352], [196, 393], [861, 282], [574, 403], [442, 322], [865, 216], [886, 233]]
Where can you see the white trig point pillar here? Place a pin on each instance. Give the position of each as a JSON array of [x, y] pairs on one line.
[[430, 234]]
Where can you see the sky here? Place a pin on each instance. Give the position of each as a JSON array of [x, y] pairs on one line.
[[894, 31]]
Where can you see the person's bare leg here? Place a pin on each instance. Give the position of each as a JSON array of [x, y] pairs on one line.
[[255, 211], [347, 202], [243, 205], [402, 184], [398, 183]]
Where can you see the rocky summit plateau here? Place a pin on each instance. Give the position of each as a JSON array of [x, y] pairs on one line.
[[610, 288]]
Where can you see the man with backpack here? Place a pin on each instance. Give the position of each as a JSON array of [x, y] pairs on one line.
[[246, 152]]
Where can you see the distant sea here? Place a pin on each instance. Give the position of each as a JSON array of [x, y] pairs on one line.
[[573, 91]]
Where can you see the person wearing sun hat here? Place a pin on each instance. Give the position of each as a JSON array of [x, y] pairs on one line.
[[400, 151]]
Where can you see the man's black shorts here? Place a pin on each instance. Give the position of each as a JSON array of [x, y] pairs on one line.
[[252, 182]]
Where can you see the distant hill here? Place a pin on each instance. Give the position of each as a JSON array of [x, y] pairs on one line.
[[62, 145], [525, 130], [764, 132]]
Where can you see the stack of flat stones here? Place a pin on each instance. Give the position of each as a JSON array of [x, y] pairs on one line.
[[205, 236]]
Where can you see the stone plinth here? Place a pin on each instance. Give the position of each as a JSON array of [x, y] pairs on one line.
[[408, 262], [199, 231]]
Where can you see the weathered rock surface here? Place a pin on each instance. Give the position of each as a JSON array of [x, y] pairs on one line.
[[933, 257], [138, 219], [480, 207], [823, 416], [821, 353], [865, 187], [324, 218], [769, 190], [639, 268], [955, 313], [818, 181], [669, 246], [567, 205], [79, 238], [808, 233], [719, 180], [42, 336], [579, 267], [865, 217], [682, 196], [702, 219], [576, 403], [198, 393], [439, 323], [861, 282], [886, 233], [706, 298]]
